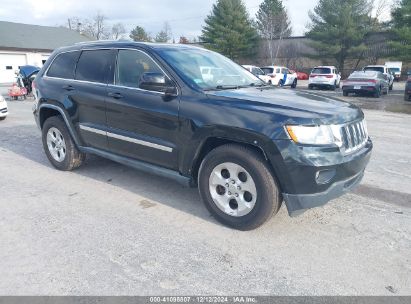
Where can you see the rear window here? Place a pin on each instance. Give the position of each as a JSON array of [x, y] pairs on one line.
[[321, 71], [376, 69], [93, 66], [63, 66], [268, 70]]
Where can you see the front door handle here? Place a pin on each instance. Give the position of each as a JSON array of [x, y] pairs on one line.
[[115, 95], [69, 88]]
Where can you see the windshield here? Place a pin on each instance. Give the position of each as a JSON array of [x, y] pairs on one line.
[[377, 69], [208, 70], [321, 71]]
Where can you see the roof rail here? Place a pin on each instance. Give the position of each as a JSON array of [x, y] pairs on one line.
[[102, 41]]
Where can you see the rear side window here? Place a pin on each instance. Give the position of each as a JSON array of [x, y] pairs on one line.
[[63, 66], [93, 66]]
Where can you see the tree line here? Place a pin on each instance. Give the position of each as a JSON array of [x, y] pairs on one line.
[[337, 30]]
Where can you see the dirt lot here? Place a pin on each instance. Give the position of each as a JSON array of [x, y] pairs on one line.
[[106, 229]]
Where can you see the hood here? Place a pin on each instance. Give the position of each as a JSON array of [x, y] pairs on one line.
[[28, 70], [313, 108]]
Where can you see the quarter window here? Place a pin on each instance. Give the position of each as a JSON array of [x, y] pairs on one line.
[[131, 65], [93, 66], [63, 66]]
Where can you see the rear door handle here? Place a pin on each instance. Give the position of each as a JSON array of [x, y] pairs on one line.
[[69, 88], [115, 95]]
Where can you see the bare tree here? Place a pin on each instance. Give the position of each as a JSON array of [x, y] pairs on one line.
[[117, 31], [273, 23]]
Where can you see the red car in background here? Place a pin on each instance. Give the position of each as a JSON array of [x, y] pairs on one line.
[[302, 76]]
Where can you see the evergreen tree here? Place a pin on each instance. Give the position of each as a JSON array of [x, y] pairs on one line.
[[164, 35], [229, 30], [273, 22], [339, 28], [140, 34], [401, 27]]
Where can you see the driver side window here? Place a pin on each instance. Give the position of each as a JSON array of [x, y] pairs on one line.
[[131, 65]]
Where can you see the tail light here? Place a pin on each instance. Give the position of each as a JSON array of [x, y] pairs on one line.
[[330, 76], [272, 75], [33, 85], [313, 76]]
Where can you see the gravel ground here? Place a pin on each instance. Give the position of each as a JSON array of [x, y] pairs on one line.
[[106, 229]]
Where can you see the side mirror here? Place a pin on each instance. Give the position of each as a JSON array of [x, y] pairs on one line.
[[153, 82], [158, 82]]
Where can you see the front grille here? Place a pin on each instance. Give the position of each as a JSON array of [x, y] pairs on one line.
[[4, 110], [354, 136]]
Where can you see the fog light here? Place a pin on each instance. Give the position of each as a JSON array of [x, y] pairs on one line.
[[324, 176]]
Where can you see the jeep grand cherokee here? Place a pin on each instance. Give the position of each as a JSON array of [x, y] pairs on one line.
[[247, 146]]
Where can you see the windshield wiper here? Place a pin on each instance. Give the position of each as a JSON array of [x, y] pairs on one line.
[[235, 87]]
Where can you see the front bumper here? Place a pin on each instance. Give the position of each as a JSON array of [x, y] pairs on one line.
[[312, 176], [299, 203]]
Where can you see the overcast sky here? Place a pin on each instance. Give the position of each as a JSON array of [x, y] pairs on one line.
[[186, 17]]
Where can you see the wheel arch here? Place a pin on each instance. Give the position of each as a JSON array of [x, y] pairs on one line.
[[213, 142], [48, 110]]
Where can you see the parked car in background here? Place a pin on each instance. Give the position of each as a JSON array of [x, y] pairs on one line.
[[302, 76], [3, 108], [366, 82], [324, 77], [395, 67], [258, 72], [407, 93], [383, 69], [247, 146], [281, 76], [210, 73]]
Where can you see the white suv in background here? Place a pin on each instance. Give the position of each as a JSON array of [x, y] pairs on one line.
[[258, 73], [281, 76], [383, 69], [324, 77], [3, 108]]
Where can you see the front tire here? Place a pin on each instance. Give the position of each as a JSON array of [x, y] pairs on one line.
[[238, 188], [391, 87], [59, 146]]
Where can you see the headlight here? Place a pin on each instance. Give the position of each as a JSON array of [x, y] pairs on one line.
[[315, 135]]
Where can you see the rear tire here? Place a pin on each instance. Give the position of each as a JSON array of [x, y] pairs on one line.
[[377, 94], [391, 87], [59, 146], [294, 85], [238, 188]]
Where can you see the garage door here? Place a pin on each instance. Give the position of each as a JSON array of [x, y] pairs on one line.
[[9, 63]]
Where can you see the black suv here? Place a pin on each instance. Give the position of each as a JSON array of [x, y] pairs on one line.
[[247, 146]]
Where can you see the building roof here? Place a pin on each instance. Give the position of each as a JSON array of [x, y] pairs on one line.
[[18, 36]]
